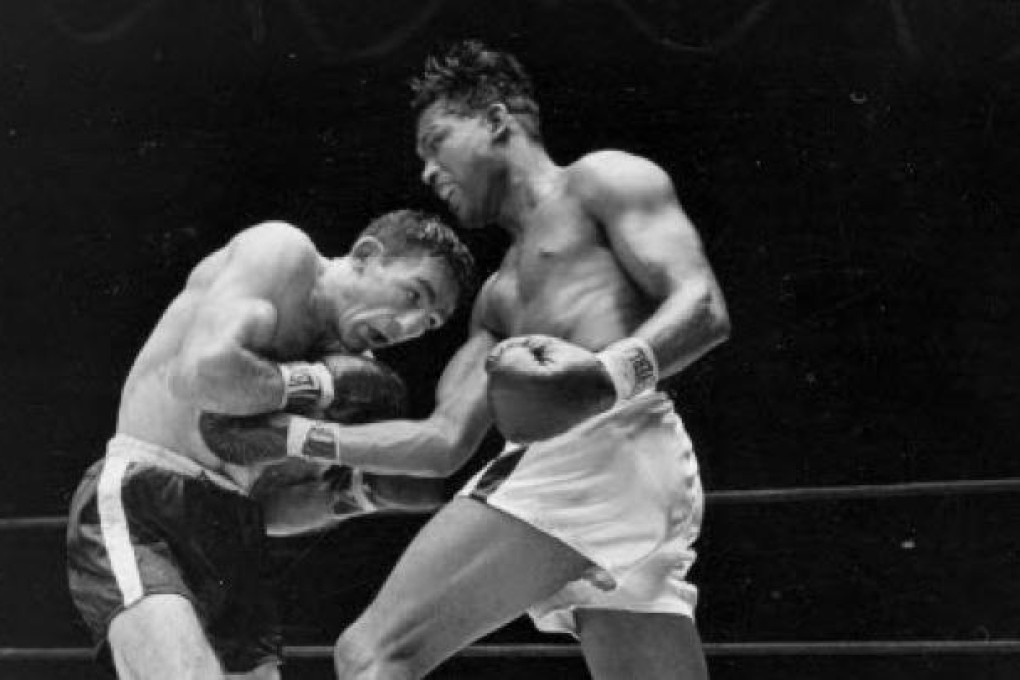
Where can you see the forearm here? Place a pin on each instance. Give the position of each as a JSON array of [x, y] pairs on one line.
[[417, 448], [414, 448], [685, 327], [236, 382]]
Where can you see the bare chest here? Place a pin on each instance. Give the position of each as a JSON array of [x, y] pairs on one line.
[[562, 279], [559, 242]]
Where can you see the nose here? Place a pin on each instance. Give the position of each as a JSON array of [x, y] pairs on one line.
[[428, 173], [412, 324]]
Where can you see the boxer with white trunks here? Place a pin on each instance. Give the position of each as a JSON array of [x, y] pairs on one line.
[[604, 290], [621, 489]]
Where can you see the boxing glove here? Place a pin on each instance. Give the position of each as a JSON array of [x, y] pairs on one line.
[[541, 386], [343, 388], [361, 390], [364, 390]]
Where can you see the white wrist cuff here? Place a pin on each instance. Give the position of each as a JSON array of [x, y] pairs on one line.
[[631, 365], [360, 491], [313, 439], [306, 382], [325, 379]]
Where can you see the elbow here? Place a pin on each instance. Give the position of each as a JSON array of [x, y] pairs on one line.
[[444, 462], [715, 317], [721, 326], [451, 462], [449, 453]]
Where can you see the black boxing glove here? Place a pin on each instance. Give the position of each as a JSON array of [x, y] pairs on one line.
[[540, 386], [343, 388], [364, 390]]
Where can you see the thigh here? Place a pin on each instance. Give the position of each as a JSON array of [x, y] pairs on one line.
[[469, 571], [161, 637], [267, 671], [619, 645]]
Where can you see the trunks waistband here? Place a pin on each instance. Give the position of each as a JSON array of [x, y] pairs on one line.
[[133, 450], [648, 400]]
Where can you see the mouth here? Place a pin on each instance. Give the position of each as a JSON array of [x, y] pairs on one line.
[[445, 191], [373, 337]]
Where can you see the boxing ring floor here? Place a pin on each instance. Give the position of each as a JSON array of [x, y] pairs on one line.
[[978, 656]]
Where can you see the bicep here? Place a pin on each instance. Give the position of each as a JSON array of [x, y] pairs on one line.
[[230, 317], [659, 248], [650, 234]]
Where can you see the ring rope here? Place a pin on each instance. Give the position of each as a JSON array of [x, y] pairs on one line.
[[733, 497], [533, 651], [864, 491]]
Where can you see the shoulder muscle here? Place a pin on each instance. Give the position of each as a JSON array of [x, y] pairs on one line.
[[484, 314], [274, 243], [613, 180], [265, 257]]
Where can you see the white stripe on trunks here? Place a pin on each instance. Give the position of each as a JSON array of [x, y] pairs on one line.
[[116, 536]]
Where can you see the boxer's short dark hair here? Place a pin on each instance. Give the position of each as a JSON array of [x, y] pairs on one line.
[[414, 232], [470, 76]]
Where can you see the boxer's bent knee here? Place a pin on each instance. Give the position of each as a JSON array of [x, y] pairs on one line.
[[160, 637], [357, 657], [267, 671]]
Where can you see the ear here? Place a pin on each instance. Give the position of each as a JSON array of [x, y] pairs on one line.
[[498, 118], [364, 250]]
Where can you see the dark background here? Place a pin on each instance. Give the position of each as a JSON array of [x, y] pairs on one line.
[[851, 167]]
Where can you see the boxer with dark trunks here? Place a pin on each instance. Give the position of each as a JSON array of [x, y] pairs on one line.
[[165, 533]]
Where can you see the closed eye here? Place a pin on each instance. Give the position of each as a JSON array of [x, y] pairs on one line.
[[428, 145], [433, 141]]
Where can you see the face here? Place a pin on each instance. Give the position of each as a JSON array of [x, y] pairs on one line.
[[459, 164], [392, 302]]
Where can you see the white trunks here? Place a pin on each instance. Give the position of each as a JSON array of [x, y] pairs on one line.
[[623, 490]]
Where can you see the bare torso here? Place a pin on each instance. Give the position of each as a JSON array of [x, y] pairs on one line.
[[150, 412], [561, 278]]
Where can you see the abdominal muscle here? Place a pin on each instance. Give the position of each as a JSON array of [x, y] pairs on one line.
[[148, 410]]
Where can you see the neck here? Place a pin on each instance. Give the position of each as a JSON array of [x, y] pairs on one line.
[[335, 280], [340, 276], [531, 176]]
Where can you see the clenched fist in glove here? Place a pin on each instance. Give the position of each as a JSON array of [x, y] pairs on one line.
[[344, 388], [541, 386]]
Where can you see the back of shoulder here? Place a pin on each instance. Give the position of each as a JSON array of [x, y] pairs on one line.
[[613, 172], [276, 234], [279, 243]]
